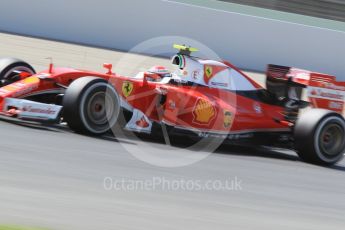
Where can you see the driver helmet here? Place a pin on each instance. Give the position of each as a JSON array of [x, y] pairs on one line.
[[156, 73]]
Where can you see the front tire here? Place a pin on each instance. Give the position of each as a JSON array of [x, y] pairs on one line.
[[91, 106], [320, 137]]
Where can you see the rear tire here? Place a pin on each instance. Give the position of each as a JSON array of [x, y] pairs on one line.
[[91, 106], [320, 137], [7, 68]]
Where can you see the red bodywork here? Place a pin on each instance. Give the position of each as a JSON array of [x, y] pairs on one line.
[[323, 90], [188, 107]]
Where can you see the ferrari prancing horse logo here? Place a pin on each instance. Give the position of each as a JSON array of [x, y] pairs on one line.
[[127, 88], [208, 71]]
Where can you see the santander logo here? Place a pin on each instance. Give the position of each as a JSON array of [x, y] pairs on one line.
[[31, 109]]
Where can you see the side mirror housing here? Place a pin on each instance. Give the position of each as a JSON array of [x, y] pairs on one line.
[[109, 67]]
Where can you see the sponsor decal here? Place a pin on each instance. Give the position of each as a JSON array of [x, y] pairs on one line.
[[225, 85], [31, 109], [335, 105], [228, 117], [277, 75], [208, 71], [127, 88], [203, 112], [17, 90], [195, 74], [142, 122], [24, 91], [228, 136], [161, 71], [333, 86], [326, 94], [240, 136], [21, 87], [211, 70], [331, 95], [139, 122]]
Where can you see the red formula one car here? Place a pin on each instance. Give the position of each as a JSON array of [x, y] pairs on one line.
[[212, 99]]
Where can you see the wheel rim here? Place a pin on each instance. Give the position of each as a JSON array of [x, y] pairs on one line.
[[99, 108], [332, 139]]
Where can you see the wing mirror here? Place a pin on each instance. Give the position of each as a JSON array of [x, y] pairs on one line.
[[109, 67]]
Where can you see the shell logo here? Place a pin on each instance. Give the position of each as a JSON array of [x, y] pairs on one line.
[[203, 112]]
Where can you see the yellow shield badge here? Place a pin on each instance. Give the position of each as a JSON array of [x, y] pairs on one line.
[[227, 119], [208, 71], [127, 88]]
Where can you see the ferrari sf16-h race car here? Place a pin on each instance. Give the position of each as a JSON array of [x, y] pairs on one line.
[[298, 109]]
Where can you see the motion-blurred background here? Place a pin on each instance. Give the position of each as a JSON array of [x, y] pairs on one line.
[[329, 9], [248, 36]]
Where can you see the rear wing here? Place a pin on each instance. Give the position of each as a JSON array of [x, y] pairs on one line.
[[322, 90]]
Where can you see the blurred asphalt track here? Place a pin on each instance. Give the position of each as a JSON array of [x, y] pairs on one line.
[[53, 178]]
